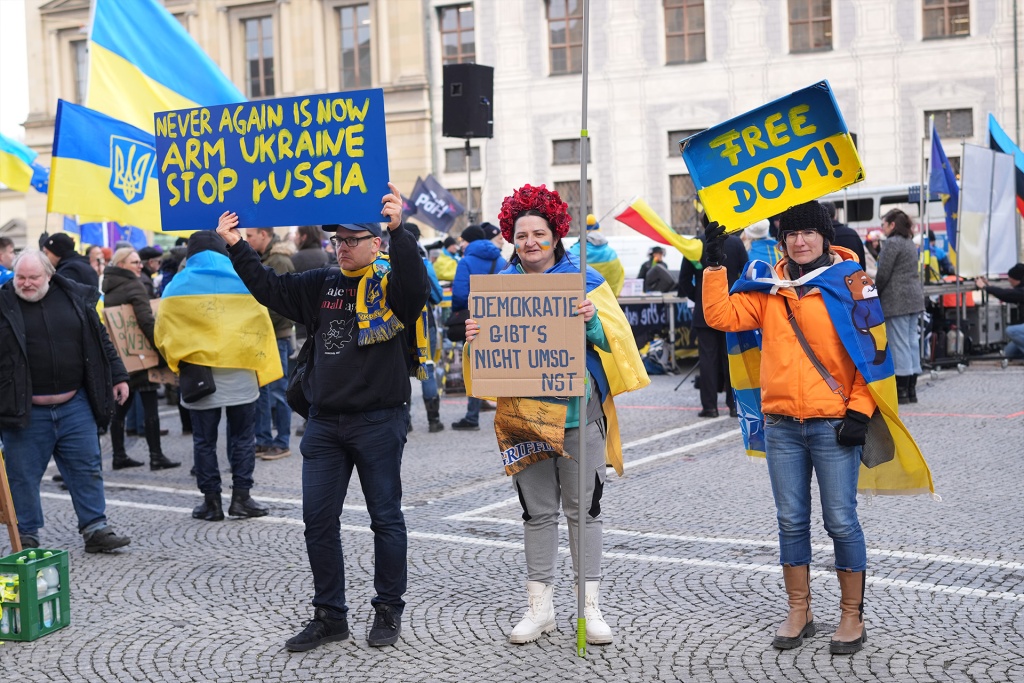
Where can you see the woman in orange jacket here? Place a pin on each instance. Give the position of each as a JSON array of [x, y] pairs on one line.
[[808, 426]]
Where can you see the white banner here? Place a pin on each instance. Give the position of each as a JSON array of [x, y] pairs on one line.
[[986, 242]]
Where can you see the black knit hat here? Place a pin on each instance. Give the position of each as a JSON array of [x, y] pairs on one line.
[[205, 240], [1017, 272], [60, 245], [474, 233], [807, 216]]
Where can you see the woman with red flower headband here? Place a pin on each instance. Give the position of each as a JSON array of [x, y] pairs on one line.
[[534, 220]]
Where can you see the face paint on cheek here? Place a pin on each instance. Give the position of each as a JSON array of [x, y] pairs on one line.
[[544, 245]]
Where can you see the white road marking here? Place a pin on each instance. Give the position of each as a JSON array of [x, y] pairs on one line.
[[634, 557]]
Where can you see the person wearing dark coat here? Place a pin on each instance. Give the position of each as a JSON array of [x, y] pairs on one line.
[[122, 284], [846, 236], [310, 252], [60, 249], [712, 352], [59, 388], [150, 267]]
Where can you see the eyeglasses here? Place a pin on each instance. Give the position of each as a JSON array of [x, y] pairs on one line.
[[134, 263], [808, 235], [350, 242]]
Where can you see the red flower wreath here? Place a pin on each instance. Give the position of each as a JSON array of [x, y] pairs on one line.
[[540, 199]]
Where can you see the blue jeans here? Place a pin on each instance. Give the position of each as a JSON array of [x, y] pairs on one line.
[[272, 406], [1015, 347], [794, 449], [473, 410], [241, 447], [68, 432], [372, 442], [904, 340]]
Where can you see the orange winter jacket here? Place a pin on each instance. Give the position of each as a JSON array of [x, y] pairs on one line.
[[790, 385]]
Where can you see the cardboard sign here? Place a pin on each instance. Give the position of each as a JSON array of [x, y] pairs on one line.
[[531, 340], [289, 161], [784, 153], [132, 346], [162, 376]]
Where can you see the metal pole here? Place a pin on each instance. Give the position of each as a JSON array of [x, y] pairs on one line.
[[469, 184], [581, 402]]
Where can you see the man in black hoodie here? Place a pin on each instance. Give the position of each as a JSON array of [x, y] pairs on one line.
[[356, 381]]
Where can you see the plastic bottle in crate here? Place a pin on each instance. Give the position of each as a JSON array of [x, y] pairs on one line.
[[52, 577], [47, 610], [11, 621]]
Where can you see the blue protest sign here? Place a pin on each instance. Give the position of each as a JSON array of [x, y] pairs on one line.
[[290, 161], [784, 153]]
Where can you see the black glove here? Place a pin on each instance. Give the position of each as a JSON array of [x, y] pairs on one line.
[[714, 237], [853, 431]]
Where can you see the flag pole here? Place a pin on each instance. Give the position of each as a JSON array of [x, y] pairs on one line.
[[581, 402]]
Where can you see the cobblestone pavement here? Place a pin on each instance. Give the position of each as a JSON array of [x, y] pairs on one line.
[[692, 587]]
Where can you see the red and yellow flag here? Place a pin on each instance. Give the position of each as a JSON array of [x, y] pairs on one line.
[[642, 218]]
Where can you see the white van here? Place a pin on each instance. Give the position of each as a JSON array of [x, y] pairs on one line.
[[862, 207]]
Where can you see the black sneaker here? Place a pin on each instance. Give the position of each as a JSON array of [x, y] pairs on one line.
[[465, 425], [386, 626], [105, 540], [29, 542], [708, 412], [318, 630]]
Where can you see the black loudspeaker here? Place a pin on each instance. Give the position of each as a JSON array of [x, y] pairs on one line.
[[468, 101]]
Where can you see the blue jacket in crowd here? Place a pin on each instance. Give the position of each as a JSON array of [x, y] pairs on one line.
[[482, 257]]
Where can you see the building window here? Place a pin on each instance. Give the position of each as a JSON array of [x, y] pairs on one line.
[[455, 160], [462, 222], [80, 65], [565, 35], [567, 152], [355, 46], [569, 191], [674, 138], [684, 31], [950, 123], [259, 56], [810, 25], [684, 212], [458, 41], [945, 18]]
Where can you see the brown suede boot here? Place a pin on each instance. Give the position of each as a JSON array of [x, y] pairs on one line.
[[800, 622], [851, 634]]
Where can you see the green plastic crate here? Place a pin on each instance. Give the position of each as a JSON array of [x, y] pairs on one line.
[[30, 605]]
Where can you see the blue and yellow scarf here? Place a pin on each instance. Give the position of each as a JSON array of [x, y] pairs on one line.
[[377, 322], [892, 462]]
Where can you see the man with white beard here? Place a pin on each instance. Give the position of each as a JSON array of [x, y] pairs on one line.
[[61, 376]]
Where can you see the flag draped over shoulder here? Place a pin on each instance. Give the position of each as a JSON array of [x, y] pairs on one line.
[[892, 462], [103, 169], [18, 168], [142, 60], [642, 218], [208, 317], [942, 181], [1001, 142]]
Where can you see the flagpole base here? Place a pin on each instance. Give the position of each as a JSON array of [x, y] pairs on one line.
[[581, 637]]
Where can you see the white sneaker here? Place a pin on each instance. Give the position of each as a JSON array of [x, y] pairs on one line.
[[598, 631], [539, 617]]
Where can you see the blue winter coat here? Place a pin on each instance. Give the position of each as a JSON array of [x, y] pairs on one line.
[[482, 257]]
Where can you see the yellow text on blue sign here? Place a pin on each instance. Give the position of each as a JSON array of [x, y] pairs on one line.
[[784, 153]]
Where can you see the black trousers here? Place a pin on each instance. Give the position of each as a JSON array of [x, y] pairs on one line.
[[713, 360]]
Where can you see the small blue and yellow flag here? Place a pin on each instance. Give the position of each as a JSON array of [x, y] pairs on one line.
[[103, 169], [142, 60], [18, 167]]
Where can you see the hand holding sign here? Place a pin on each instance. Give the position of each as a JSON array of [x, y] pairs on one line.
[[587, 310], [392, 207], [227, 227], [472, 329]]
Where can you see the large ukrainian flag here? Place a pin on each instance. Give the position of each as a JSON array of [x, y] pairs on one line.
[[208, 317], [103, 169], [141, 61]]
